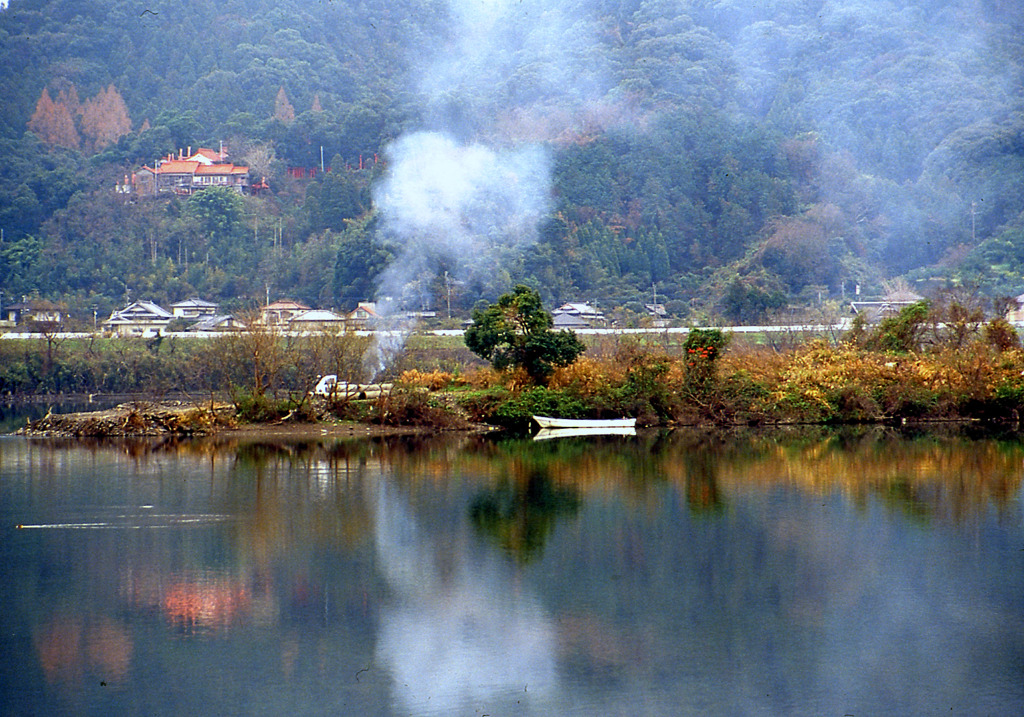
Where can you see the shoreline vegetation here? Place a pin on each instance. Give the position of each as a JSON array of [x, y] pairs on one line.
[[912, 367]]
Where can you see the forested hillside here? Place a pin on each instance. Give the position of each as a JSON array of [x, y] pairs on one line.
[[732, 158]]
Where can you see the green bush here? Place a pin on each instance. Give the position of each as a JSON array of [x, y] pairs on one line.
[[703, 348], [515, 413], [902, 333], [260, 408]]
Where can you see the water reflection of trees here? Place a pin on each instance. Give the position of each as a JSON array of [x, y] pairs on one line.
[[951, 476], [520, 514]]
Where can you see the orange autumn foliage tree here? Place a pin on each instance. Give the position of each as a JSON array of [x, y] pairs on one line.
[[68, 96], [283, 109], [54, 123], [89, 125], [104, 119]]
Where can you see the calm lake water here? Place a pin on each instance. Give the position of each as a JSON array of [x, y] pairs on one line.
[[855, 573]]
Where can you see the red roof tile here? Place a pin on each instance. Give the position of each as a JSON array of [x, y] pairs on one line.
[[221, 169], [210, 154], [178, 166]]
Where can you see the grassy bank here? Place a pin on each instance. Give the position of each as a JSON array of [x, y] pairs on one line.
[[908, 368]]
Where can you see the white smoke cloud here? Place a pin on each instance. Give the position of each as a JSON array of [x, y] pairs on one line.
[[459, 202], [474, 181], [461, 206], [468, 189]]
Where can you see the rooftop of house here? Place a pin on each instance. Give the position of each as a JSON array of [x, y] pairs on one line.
[[211, 323], [177, 166], [219, 169], [579, 308], [209, 156], [317, 315], [566, 320], [286, 305], [34, 305], [367, 307], [141, 309], [196, 302], [206, 162]]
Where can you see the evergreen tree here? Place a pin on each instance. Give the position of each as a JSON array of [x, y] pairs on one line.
[[516, 332]]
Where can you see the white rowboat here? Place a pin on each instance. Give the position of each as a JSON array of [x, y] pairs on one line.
[[548, 422]]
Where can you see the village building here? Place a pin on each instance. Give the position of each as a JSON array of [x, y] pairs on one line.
[[658, 315], [363, 316], [281, 312], [893, 303], [316, 320], [1016, 313], [38, 311], [570, 321], [575, 315], [218, 322], [187, 174], [140, 318], [193, 308]]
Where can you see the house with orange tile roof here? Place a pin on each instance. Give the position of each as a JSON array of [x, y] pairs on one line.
[[188, 173]]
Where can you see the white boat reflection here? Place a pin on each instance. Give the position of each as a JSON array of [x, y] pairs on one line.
[[545, 434]]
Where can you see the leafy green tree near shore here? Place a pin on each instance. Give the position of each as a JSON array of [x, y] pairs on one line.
[[516, 332]]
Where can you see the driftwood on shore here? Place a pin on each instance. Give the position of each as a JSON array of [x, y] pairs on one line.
[[137, 418]]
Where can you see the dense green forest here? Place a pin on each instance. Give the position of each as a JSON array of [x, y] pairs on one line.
[[731, 158]]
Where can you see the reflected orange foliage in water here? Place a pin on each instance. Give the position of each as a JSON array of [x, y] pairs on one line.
[[209, 603], [71, 648], [192, 602]]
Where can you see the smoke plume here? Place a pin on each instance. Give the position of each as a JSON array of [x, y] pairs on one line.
[[468, 188]]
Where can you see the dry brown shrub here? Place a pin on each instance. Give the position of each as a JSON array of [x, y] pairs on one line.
[[605, 347], [517, 379], [676, 375], [481, 378], [431, 380], [974, 372], [760, 365], [588, 376], [816, 380]]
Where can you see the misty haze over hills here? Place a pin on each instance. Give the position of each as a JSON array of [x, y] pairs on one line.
[[733, 158]]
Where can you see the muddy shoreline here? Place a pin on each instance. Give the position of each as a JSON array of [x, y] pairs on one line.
[[181, 418]]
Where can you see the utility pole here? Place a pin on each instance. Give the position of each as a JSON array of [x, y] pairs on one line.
[[448, 290]]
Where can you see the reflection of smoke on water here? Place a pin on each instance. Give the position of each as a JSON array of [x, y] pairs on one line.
[[460, 634]]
